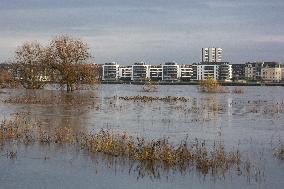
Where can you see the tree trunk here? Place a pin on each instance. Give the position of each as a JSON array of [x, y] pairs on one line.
[[69, 88]]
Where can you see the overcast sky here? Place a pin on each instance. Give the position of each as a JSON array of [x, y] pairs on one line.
[[154, 31]]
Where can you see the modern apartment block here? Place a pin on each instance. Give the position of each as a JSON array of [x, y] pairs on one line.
[[170, 71], [186, 72], [140, 71], [218, 71], [211, 54], [225, 71], [110, 71], [205, 70], [253, 70], [125, 72], [238, 71], [271, 71], [156, 72], [194, 71]]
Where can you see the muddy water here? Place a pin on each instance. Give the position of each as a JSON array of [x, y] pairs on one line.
[[252, 122]]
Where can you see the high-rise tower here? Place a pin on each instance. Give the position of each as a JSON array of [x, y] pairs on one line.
[[211, 54]]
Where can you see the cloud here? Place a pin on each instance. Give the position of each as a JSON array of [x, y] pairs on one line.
[[158, 30]]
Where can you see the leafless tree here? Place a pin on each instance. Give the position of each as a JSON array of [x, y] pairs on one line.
[[68, 58], [30, 64]]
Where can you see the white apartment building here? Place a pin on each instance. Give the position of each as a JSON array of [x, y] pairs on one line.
[[140, 71], [125, 73], [218, 71], [110, 71], [205, 71], [156, 72], [211, 54], [186, 72], [171, 71], [225, 71]]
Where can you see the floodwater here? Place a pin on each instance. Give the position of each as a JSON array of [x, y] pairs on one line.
[[252, 122]]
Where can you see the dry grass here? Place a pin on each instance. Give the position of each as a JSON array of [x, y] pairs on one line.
[[59, 99], [151, 155], [151, 98]]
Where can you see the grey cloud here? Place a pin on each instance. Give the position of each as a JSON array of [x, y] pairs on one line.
[[156, 30]]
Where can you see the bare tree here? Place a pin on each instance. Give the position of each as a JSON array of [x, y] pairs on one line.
[[30, 64], [68, 58]]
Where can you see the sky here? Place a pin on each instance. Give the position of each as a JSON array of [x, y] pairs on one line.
[[154, 31]]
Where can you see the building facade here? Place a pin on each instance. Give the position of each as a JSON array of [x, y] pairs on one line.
[[125, 72], [253, 70], [225, 71], [218, 71], [271, 71], [238, 71], [170, 71], [110, 71], [211, 54], [205, 71], [186, 72], [140, 71], [156, 72], [194, 71]]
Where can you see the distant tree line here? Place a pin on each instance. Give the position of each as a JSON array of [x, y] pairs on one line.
[[65, 60]]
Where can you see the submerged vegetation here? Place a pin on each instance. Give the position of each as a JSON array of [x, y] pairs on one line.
[[53, 99], [151, 98], [210, 85], [154, 154], [150, 86]]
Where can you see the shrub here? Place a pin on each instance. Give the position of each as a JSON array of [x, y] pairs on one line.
[[211, 85]]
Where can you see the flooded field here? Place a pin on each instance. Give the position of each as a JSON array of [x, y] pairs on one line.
[[249, 125]]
